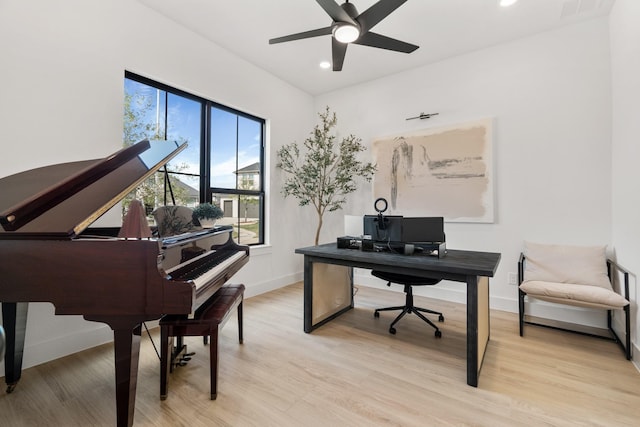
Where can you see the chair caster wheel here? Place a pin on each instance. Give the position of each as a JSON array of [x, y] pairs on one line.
[[441, 318], [392, 331], [376, 314], [438, 334]]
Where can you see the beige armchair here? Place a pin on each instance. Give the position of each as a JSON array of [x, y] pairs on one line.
[[572, 275]]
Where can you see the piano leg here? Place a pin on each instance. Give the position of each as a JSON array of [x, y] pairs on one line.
[[127, 353], [126, 344], [14, 319], [166, 350]]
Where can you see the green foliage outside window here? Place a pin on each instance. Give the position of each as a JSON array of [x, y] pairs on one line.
[[136, 128]]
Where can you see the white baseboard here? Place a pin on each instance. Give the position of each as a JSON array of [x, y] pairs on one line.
[[254, 289], [453, 292], [36, 353], [86, 334], [97, 334]]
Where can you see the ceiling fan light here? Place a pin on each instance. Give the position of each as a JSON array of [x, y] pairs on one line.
[[346, 33]]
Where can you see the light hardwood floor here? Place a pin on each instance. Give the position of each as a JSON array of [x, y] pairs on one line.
[[350, 372]]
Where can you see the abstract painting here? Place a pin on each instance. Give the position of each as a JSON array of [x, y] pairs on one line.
[[444, 171]]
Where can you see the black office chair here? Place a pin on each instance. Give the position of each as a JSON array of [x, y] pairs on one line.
[[409, 282]]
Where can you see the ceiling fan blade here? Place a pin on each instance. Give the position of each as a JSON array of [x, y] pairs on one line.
[[336, 13], [338, 51], [384, 42], [304, 35], [376, 13]]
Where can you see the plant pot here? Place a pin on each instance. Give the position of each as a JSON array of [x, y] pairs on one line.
[[207, 222]]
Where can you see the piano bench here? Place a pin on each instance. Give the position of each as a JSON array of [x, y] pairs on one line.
[[207, 322]]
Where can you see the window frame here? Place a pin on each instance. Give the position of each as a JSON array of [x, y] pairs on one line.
[[206, 191]]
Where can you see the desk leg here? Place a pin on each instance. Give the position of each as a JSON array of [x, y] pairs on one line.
[[477, 325], [308, 294], [328, 292]]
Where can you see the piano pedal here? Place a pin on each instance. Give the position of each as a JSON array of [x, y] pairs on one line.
[[190, 354], [184, 359]]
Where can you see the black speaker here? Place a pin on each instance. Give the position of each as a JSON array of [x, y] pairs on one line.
[[348, 242]]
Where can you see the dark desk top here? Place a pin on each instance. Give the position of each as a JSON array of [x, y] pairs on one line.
[[455, 265]]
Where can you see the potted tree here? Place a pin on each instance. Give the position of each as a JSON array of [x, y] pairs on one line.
[[326, 171], [207, 214]]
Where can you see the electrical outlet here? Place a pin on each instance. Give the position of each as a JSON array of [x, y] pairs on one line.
[[513, 279]]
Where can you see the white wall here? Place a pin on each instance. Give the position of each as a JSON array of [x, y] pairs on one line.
[[62, 78], [550, 97], [625, 46]]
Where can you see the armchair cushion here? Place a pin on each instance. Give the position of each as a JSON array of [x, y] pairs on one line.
[[583, 265], [578, 295]]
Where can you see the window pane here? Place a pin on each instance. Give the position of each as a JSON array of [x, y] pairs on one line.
[[184, 121], [243, 212], [156, 114], [153, 193], [249, 150], [144, 112], [224, 138]]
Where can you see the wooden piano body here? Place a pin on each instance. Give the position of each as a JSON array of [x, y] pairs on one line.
[[48, 254]]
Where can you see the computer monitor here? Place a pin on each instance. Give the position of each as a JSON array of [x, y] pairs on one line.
[[389, 231], [423, 229]]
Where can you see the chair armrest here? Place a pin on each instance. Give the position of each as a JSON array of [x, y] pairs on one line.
[[521, 268], [611, 266]]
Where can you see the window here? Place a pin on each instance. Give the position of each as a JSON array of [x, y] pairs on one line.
[[222, 164]]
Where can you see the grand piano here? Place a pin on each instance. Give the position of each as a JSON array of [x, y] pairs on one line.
[[49, 253]]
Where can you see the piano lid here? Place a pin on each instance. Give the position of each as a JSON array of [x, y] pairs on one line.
[[60, 201]]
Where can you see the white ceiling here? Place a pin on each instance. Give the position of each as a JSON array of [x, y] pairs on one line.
[[442, 29]]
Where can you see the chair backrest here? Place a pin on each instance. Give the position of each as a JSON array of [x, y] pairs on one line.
[[404, 279], [584, 265]]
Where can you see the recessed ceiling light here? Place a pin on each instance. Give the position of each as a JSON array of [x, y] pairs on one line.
[[325, 64], [505, 3]]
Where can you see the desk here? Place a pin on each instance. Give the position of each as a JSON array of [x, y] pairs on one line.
[[472, 268]]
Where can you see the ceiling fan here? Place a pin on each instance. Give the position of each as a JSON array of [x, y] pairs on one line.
[[350, 27]]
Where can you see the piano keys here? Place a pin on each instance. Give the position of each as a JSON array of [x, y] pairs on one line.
[[45, 215], [214, 266], [206, 268]]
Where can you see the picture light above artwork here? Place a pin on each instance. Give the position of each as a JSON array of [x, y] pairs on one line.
[[423, 116]]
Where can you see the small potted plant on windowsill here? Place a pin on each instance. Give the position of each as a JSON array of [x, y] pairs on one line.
[[207, 214]]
